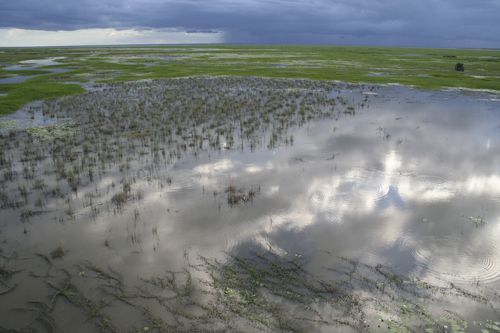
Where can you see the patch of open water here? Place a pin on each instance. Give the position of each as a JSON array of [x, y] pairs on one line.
[[32, 65]]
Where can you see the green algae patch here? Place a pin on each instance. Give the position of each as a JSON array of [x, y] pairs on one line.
[[58, 131], [8, 124]]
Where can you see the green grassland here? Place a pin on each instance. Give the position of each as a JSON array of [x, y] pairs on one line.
[[423, 68]]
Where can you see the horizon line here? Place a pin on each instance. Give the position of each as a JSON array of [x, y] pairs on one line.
[[246, 44]]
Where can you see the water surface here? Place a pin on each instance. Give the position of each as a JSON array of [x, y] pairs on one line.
[[33, 64], [353, 208]]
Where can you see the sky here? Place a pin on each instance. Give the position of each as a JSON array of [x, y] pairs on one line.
[[422, 23]]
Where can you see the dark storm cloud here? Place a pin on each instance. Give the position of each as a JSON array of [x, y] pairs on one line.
[[424, 22]]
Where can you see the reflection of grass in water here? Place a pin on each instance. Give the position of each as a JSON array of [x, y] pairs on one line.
[[120, 199], [477, 221], [57, 253], [263, 292], [165, 120], [237, 196]]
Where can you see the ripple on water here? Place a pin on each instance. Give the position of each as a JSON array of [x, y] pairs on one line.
[[181, 181], [449, 258]]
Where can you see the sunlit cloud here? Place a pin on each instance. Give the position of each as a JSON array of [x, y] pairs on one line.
[[108, 36]]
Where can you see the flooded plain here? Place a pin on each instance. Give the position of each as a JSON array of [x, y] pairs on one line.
[[247, 204], [34, 64]]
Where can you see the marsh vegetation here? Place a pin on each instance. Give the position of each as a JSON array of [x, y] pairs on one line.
[[31, 74], [250, 204]]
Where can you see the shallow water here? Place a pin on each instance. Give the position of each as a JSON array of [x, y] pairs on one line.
[[16, 79], [397, 189], [33, 65], [22, 78], [29, 117]]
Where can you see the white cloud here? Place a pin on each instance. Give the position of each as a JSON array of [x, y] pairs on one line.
[[12, 37]]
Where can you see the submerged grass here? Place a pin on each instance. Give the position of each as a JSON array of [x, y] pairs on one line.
[[141, 129], [258, 291], [152, 123]]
